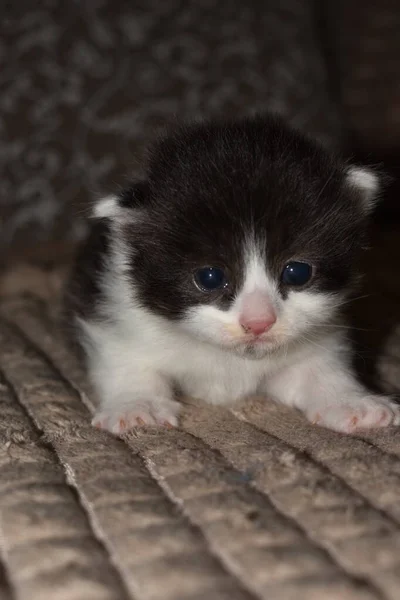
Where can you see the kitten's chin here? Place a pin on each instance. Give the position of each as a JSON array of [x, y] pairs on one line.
[[257, 350], [252, 352]]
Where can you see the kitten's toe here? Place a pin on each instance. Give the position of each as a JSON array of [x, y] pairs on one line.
[[166, 413], [146, 414], [363, 413], [100, 420]]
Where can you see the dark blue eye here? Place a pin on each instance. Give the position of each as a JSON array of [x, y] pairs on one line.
[[296, 273], [209, 279]]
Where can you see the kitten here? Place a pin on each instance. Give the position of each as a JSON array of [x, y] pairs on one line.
[[223, 274]]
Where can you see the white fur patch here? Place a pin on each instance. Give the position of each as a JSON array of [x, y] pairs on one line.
[[366, 181], [320, 383], [107, 208], [259, 299], [255, 272]]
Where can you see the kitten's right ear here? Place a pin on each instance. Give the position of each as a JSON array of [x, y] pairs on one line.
[[119, 207], [367, 183]]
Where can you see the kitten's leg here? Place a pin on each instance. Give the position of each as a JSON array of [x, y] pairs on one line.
[[124, 375], [321, 384], [131, 396], [148, 404]]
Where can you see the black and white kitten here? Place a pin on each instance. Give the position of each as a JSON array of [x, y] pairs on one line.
[[223, 274]]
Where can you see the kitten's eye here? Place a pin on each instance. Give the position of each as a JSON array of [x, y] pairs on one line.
[[296, 273], [210, 279]]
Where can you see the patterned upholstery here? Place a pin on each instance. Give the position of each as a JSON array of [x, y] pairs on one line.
[[86, 84]]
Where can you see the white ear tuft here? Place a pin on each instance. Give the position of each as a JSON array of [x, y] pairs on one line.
[[107, 208], [367, 182]]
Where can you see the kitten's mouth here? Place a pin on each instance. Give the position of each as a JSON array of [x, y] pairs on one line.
[[258, 340], [252, 345]]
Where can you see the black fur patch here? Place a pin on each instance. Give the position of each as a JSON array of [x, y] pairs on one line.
[[84, 292], [134, 196], [210, 186]]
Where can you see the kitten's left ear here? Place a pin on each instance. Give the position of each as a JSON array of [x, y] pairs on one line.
[[368, 184], [119, 208]]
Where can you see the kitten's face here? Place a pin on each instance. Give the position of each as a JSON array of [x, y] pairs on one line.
[[245, 235], [245, 296], [270, 308]]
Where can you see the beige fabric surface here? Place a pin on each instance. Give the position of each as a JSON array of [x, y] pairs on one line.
[[249, 504]]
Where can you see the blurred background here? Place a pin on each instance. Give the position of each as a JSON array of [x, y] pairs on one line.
[[86, 84]]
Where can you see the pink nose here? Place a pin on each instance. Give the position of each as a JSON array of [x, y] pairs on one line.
[[257, 326]]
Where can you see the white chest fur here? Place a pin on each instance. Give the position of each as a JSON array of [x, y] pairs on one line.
[[132, 350]]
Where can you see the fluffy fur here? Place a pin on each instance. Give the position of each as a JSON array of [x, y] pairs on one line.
[[247, 197]]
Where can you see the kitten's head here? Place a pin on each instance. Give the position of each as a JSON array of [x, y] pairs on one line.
[[244, 234]]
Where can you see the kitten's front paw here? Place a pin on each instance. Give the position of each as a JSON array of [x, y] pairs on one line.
[[361, 413], [146, 413]]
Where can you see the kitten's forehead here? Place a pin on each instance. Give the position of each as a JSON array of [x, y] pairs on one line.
[[239, 156]]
